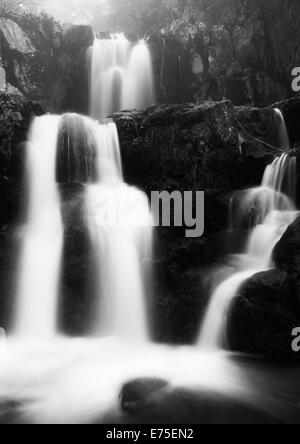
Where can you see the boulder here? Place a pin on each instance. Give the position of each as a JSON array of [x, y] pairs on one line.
[[263, 315], [187, 406], [183, 147], [287, 254], [79, 36], [136, 394]]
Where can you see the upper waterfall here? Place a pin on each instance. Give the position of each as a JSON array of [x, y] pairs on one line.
[[121, 76]]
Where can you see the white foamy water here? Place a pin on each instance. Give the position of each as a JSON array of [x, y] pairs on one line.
[[40, 262], [78, 381], [121, 76], [138, 87]]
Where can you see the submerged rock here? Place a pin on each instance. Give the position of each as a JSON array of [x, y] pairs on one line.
[[188, 406], [135, 395], [263, 315]]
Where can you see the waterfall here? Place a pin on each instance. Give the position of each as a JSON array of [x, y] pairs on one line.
[[284, 138], [138, 89], [275, 212], [121, 76], [277, 192], [281, 177], [64, 149], [120, 222], [37, 288]]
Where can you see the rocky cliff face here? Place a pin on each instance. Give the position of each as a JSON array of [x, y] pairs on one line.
[[46, 62], [240, 50], [16, 114]]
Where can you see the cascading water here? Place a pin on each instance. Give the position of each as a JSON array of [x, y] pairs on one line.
[[121, 76], [281, 177], [138, 89], [275, 212], [68, 380], [37, 293], [120, 225], [277, 192], [118, 217], [284, 137]]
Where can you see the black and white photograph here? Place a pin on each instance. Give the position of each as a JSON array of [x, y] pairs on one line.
[[149, 215]]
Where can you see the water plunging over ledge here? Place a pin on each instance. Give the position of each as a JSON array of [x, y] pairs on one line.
[[284, 137], [121, 76], [120, 225], [122, 248], [39, 270]]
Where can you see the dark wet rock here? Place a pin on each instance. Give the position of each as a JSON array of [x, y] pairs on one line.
[[79, 36], [258, 130], [78, 298], [75, 72], [204, 146], [182, 284], [9, 271], [263, 315], [76, 151], [16, 113], [135, 395], [188, 147], [287, 254]]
